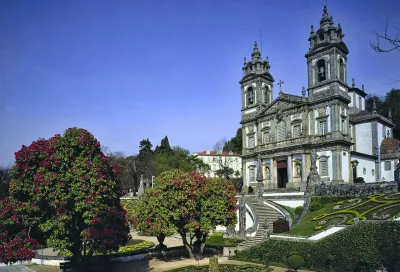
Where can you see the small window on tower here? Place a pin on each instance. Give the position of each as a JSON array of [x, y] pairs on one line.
[[321, 36], [321, 70], [341, 69], [322, 127], [250, 96], [266, 94]]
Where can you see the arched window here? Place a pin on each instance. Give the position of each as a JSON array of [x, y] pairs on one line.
[[266, 94], [341, 69], [281, 131], [321, 36], [321, 70], [250, 96]]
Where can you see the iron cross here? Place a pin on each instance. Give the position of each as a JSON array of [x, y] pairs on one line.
[[280, 85]]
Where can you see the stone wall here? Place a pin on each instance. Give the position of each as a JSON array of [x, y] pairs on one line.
[[356, 189]]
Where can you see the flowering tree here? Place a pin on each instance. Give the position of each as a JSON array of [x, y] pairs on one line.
[[71, 188], [190, 203]]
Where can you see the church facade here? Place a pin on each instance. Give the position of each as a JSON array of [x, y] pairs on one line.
[[330, 117]]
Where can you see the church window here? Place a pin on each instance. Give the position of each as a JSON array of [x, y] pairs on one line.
[[321, 70], [388, 165], [252, 174], [373, 172], [323, 166], [341, 69], [296, 131], [265, 137], [281, 131], [343, 125], [250, 96], [321, 36], [266, 95], [323, 127], [251, 141], [359, 102], [364, 170]]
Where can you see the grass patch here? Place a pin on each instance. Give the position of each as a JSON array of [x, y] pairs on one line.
[[290, 210], [226, 242], [223, 268], [132, 245]]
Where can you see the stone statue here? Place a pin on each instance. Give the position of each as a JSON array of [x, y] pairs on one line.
[[242, 216], [267, 172], [298, 170], [141, 186]]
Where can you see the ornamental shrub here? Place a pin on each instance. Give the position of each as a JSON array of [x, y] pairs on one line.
[[298, 210], [295, 262], [376, 244], [213, 265], [280, 225], [216, 238], [251, 190], [315, 206], [359, 180]]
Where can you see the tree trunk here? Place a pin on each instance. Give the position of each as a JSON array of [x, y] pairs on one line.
[[203, 245], [186, 244]]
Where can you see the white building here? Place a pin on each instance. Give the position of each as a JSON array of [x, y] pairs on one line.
[[219, 159], [280, 133]]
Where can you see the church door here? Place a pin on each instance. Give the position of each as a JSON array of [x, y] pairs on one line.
[[282, 174]]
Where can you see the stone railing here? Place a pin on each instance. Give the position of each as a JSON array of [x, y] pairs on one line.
[[356, 189]]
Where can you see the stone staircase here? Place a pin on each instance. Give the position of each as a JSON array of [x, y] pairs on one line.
[[264, 214]]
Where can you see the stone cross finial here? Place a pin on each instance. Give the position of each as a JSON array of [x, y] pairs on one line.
[[245, 61], [303, 91], [312, 29], [374, 106], [353, 83], [362, 87], [280, 85]]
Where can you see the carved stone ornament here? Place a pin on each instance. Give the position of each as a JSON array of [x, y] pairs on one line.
[[322, 111], [251, 129], [279, 115]]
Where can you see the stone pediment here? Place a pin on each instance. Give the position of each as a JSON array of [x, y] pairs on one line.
[[277, 105]]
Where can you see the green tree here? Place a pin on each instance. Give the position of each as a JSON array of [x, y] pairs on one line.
[[164, 146], [192, 204], [234, 144], [179, 158], [385, 104], [74, 186]]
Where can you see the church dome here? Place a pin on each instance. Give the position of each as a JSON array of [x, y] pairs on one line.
[[390, 145]]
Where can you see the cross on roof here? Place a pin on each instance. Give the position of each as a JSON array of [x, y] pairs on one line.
[[280, 85]]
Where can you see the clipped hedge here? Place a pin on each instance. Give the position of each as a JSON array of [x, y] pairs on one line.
[[365, 244], [223, 268], [216, 238]]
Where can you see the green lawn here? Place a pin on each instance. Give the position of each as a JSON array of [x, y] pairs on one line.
[[341, 211]]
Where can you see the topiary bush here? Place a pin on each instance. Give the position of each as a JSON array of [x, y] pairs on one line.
[[295, 262], [251, 190], [216, 238], [376, 245], [315, 206], [298, 210], [359, 180], [213, 265], [280, 225]]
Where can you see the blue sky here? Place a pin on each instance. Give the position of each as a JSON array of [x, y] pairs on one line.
[[128, 70]]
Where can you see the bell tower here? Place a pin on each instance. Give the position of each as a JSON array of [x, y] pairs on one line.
[[326, 58], [256, 83]]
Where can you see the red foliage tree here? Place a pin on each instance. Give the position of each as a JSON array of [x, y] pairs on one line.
[[73, 187]]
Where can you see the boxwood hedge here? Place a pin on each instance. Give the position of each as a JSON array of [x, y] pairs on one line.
[[362, 246]]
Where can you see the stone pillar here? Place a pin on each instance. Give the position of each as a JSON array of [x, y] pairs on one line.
[[303, 168], [259, 178], [272, 173], [242, 216], [289, 169], [312, 121], [336, 167]]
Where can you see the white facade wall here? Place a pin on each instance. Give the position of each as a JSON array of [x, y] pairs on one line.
[[234, 162], [364, 138], [388, 175], [369, 166], [381, 133], [329, 154]]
